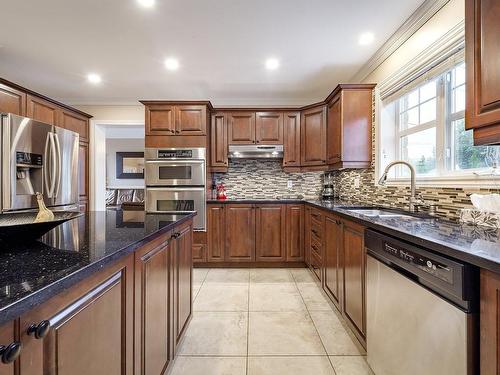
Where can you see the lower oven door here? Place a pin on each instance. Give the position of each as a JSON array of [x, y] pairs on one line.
[[178, 200]]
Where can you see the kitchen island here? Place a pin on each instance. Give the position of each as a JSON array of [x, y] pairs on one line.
[[93, 289]]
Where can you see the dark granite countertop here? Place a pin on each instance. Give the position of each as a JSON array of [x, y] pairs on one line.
[[32, 273], [477, 245]]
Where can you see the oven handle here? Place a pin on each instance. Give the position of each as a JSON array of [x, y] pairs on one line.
[[173, 162], [176, 189]]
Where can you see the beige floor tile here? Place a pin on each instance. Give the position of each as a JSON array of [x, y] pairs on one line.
[[209, 366], [313, 297], [351, 365], [334, 335], [303, 275], [308, 365], [275, 297], [222, 297], [196, 289], [226, 275], [199, 274], [216, 333], [270, 275], [283, 333]]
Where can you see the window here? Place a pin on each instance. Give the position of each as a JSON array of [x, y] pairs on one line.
[[425, 126]]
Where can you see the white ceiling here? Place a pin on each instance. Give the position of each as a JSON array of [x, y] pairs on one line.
[[51, 45]]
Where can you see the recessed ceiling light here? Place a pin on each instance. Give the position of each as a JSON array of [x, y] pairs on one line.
[[272, 63], [146, 3], [171, 64], [366, 38], [94, 78]]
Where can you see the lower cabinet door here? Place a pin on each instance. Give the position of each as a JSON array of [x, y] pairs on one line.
[[152, 331], [354, 276], [333, 259], [216, 232], [240, 233], [10, 348], [270, 233], [294, 233], [183, 278], [87, 330], [490, 323]]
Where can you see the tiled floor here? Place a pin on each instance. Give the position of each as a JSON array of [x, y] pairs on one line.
[[265, 322]]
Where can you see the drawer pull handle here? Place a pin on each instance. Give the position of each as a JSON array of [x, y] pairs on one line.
[[10, 352], [40, 330]]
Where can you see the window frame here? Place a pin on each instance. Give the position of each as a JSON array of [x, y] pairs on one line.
[[445, 175]]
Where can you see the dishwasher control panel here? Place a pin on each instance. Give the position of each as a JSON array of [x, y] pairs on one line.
[[424, 263]]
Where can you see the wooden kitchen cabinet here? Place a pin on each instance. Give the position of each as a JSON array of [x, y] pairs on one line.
[[482, 111], [307, 236], [294, 232], [153, 342], [315, 241], [216, 232], [10, 348], [291, 139], [269, 128], [42, 110], [270, 231], [182, 279], [218, 143], [175, 118], [313, 136], [241, 127], [354, 256], [240, 233], [87, 323], [489, 317], [333, 263], [83, 175], [74, 122], [349, 127], [12, 100]]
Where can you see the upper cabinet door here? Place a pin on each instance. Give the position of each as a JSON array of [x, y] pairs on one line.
[[12, 100], [241, 127], [334, 131], [191, 120], [160, 119], [42, 110], [269, 128], [483, 73], [218, 150], [313, 134], [75, 122], [291, 135]]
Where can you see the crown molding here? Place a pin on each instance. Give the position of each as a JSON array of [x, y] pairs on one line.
[[423, 14]]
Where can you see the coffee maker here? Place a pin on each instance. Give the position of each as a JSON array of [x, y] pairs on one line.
[[328, 192]]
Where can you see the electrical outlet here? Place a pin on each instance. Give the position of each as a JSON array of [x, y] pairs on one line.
[[289, 184], [356, 182]]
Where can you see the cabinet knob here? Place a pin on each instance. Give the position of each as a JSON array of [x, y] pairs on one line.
[[175, 235], [10, 352], [40, 330]]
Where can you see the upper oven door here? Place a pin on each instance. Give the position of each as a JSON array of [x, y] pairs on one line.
[[175, 172]]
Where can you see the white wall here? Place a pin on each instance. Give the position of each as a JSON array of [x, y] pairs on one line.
[[121, 145], [115, 113]]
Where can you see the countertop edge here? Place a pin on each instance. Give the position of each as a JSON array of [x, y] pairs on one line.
[[27, 303]]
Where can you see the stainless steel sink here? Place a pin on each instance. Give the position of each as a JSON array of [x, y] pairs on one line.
[[382, 213]]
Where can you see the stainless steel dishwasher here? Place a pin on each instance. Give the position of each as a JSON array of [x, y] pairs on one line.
[[421, 310]]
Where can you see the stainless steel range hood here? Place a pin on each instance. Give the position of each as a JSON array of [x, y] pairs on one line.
[[256, 151]]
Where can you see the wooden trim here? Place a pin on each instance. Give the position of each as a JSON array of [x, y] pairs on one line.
[[251, 265], [34, 93], [179, 102]]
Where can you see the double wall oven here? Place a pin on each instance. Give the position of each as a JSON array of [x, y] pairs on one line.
[[175, 182]]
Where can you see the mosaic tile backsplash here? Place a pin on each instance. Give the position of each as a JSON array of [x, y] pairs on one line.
[[251, 178]]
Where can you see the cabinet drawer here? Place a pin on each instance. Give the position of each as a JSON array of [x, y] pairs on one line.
[[317, 216], [316, 265], [317, 248]]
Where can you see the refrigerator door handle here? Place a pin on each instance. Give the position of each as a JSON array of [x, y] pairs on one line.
[[53, 161], [46, 165], [58, 173]]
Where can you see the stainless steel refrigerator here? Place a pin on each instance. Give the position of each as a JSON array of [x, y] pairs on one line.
[[37, 157]]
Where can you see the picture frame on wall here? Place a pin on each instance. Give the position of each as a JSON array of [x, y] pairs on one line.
[[130, 165]]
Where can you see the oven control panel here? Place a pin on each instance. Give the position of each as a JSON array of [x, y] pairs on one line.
[[179, 154], [422, 262]]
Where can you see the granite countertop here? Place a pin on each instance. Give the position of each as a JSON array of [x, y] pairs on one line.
[[473, 244], [32, 273]]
